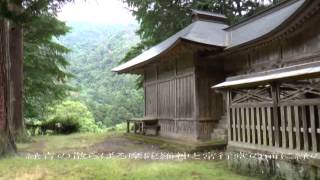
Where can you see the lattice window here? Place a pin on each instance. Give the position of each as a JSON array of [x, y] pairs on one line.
[[251, 95], [299, 90]]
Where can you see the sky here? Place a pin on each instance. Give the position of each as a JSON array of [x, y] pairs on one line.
[[97, 11]]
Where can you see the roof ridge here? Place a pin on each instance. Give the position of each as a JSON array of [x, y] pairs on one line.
[[262, 13], [198, 11]]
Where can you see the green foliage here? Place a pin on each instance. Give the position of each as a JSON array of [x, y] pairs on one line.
[[30, 9], [61, 125], [69, 117], [119, 128], [113, 168], [160, 19], [45, 74], [96, 49]]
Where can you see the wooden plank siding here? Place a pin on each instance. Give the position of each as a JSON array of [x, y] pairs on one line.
[[179, 94], [292, 119], [255, 123]]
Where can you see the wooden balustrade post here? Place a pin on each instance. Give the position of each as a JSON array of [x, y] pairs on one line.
[[275, 101], [228, 96]]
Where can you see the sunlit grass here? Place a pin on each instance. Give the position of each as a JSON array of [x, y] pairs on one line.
[[20, 168], [63, 143], [109, 169]]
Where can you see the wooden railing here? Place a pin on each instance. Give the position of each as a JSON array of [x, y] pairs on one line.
[[289, 120]]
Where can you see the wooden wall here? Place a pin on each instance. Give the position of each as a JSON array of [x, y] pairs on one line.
[[300, 46], [210, 103], [178, 92], [170, 96], [281, 115]]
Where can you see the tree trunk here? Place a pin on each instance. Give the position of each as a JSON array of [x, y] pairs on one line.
[[16, 59], [16, 56], [7, 144]]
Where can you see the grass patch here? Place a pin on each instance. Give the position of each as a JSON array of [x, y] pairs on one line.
[[20, 168], [63, 143], [111, 169]]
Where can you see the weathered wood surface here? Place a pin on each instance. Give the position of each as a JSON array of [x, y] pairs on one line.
[[143, 125], [180, 97], [294, 125], [288, 119]]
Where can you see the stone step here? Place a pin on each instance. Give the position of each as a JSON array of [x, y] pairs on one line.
[[221, 137], [220, 131], [221, 125]]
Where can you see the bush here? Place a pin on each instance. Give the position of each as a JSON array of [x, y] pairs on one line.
[[69, 117], [61, 125], [33, 127], [122, 127]]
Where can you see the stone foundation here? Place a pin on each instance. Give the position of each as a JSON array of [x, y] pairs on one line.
[[291, 169]]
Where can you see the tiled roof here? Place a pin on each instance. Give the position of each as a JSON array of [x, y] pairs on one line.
[[218, 34]]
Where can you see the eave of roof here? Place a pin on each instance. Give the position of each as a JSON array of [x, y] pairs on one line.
[[216, 34], [203, 32], [292, 72], [262, 24]]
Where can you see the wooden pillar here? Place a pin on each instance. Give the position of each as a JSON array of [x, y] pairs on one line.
[[196, 103], [128, 126], [305, 129], [157, 93], [135, 127], [313, 128], [145, 93], [175, 97], [275, 99], [142, 128], [228, 97]]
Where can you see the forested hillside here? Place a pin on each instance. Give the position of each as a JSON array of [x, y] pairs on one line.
[[95, 50]]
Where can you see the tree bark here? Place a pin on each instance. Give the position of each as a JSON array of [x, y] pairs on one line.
[[16, 56], [16, 59], [7, 144]]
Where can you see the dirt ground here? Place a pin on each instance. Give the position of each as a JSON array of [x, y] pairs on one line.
[[93, 143], [125, 145]]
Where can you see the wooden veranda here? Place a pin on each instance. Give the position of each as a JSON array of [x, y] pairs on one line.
[[278, 109], [146, 125]]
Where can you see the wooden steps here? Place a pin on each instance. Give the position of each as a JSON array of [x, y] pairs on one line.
[[220, 129]]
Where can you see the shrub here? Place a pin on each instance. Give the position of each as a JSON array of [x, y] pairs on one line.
[[69, 117], [61, 125], [122, 127]]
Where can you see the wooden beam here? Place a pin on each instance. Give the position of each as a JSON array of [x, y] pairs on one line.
[[275, 99], [297, 126], [243, 127], [253, 126], [248, 125], [313, 128], [228, 115], [128, 126], [290, 133], [264, 126], [305, 129], [270, 132], [283, 127]]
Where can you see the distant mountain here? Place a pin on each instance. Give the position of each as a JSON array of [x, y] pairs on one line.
[[96, 49]]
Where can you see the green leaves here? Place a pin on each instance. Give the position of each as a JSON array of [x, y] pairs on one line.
[[45, 74], [96, 49], [74, 114], [160, 19]]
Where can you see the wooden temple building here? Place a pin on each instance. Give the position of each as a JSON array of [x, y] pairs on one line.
[[258, 79]]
